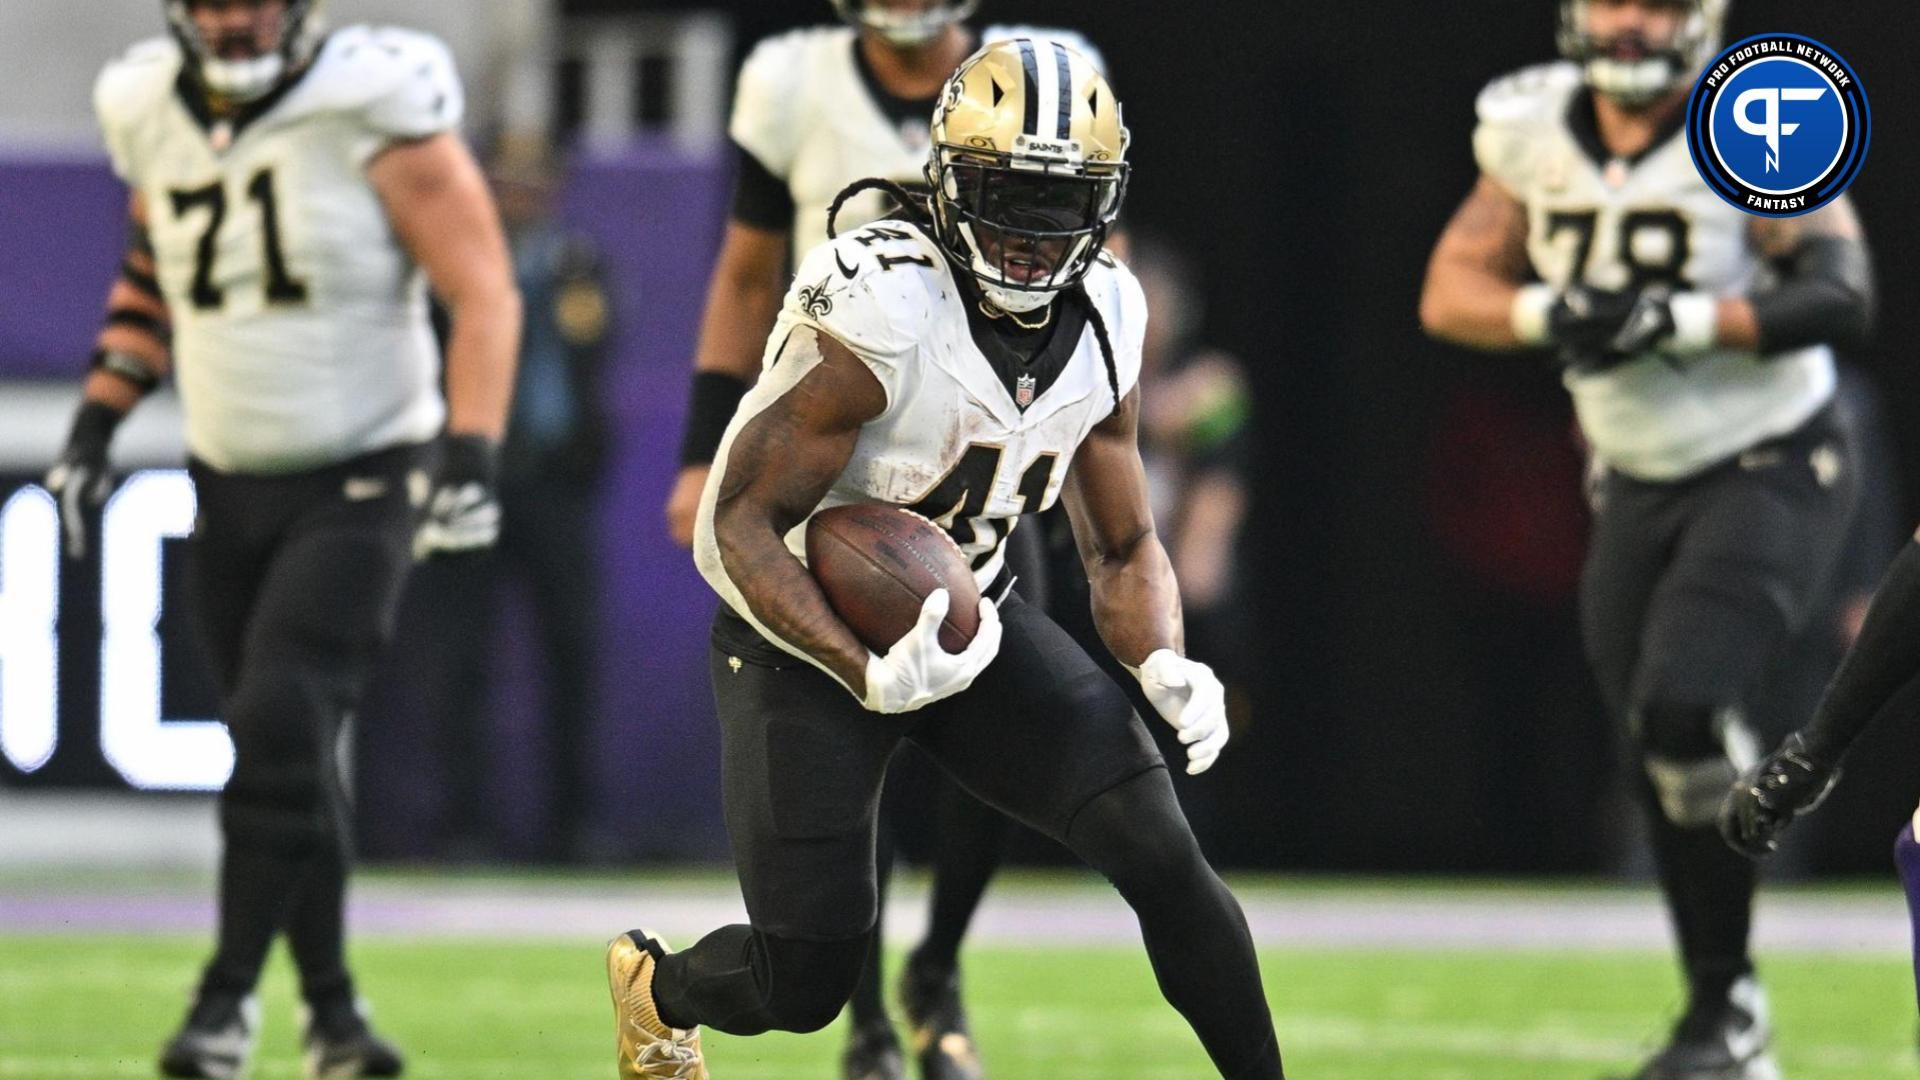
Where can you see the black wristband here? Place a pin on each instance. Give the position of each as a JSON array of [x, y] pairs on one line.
[[126, 367], [93, 428], [468, 459], [715, 397]]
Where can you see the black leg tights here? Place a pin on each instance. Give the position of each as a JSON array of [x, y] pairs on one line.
[[745, 982], [1195, 932], [868, 1005], [973, 839]]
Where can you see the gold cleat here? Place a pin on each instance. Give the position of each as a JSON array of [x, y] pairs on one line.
[[649, 1049]]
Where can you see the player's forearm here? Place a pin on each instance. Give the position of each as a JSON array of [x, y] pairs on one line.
[[742, 303], [782, 595], [115, 393], [1470, 306], [740, 312], [482, 352], [1136, 602], [1883, 660]]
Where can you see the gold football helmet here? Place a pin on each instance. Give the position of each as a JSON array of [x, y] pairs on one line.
[[1634, 71], [1028, 168]]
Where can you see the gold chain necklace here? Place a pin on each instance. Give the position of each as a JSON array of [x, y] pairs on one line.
[[993, 311]]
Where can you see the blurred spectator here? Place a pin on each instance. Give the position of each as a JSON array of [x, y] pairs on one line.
[[550, 471], [1194, 441]]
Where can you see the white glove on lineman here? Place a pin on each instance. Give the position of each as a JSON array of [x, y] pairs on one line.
[[1189, 696], [917, 671]]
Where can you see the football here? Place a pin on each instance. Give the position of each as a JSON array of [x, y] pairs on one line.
[[877, 564]]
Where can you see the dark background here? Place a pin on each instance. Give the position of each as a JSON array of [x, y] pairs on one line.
[[1417, 521]]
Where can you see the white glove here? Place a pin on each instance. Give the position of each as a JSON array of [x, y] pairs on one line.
[[917, 671], [1189, 696]]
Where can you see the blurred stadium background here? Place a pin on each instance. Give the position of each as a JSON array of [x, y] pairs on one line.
[[1421, 803]]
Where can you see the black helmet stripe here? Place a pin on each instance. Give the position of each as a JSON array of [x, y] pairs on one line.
[[1065, 66], [1031, 123]]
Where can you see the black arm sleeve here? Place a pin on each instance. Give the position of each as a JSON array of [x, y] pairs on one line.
[[760, 198], [1884, 660], [1827, 297]]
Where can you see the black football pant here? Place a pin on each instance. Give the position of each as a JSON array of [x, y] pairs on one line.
[[1691, 595], [295, 579], [1044, 736]]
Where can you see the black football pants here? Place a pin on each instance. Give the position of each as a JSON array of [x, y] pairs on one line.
[[1691, 595], [1044, 736], [295, 580]]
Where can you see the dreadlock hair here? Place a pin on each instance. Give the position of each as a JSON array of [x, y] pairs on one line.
[[917, 209]]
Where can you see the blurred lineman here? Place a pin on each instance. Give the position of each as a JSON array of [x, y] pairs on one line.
[[1695, 341], [288, 185], [815, 110], [972, 358]]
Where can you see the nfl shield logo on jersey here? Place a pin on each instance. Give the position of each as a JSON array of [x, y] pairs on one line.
[[1023, 390]]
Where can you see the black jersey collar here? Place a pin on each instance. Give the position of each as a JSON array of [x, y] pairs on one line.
[[899, 111], [1584, 122], [1021, 358]]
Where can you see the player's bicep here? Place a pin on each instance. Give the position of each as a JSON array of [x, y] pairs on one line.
[[1106, 488], [783, 461], [1487, 234], [752, 259], [442, 211]]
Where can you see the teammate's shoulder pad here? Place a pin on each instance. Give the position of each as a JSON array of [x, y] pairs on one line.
[[767, 97], [1532, 95], [1518, 114], [136, 79], [1072, 39], [404, 82], [786, 56]]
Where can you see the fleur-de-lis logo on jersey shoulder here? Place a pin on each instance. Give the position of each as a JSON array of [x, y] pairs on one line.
[[814, 299]]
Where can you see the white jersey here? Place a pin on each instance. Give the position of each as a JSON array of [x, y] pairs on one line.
[[300, 329], [952, 443], [802, 109], [1616, 224]]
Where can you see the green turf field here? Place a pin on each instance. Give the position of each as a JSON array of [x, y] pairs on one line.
[[97, 1008]]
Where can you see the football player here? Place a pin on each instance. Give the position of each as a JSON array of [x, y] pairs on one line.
[[973, 358], [815, 110], [288, 186], [1697, 344], [1796, 778]]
